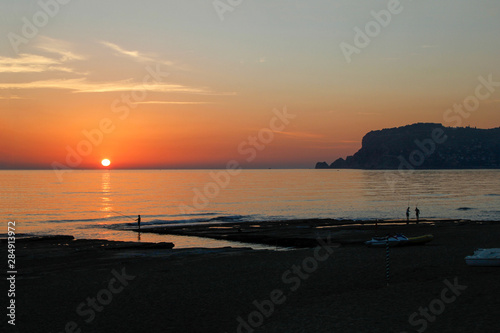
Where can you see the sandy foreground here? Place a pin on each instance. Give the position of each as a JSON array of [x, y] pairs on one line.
[[337, 285]]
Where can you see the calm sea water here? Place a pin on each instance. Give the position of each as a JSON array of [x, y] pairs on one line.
[[102, 204]]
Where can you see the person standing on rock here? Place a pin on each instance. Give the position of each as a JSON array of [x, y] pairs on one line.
[[408, 215], [417, 213]]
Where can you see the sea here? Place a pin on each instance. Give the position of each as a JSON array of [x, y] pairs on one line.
[[102, 204]]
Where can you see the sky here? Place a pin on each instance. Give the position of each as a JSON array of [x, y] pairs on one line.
[[268, 84]]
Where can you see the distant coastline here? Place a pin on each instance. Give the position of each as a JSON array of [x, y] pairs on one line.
[[424, 146]]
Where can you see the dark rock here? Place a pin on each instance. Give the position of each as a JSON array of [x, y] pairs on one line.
[[339, 163], [426, 146], [321, 165]]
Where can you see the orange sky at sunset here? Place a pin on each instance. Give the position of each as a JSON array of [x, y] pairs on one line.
[[209, 83]]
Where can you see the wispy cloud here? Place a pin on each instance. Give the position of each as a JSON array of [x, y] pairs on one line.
[[54, 58], [302, 134], [81, 85], [30, 63], [172, 102], [10, 97], [59, 47], [136, 55], [57, 56]]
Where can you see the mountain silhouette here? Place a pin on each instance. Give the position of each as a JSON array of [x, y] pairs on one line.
[[425, 146]]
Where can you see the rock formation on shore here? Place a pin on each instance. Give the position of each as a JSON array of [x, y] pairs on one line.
[[425, 146]]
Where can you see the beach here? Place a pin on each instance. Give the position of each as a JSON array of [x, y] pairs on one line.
[[235, 166], [68, 285]]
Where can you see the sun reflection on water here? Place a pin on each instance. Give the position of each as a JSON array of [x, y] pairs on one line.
[[106, 201]]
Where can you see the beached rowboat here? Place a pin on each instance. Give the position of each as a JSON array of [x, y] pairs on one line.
[[399, 240], [484, 257]]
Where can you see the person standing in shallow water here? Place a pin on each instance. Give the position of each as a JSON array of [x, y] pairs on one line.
[[417, 213], [139, 221], [407, 215]]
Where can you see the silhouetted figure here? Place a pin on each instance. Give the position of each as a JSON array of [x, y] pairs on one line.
[[139, 221], [417, 213], [407, 215]]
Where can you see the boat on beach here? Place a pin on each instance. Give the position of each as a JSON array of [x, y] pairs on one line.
[[398, 240], [484, 257]]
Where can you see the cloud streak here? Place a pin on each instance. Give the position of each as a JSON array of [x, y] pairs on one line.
[[54, 58], [136, 55], [172, 102], [30, 63], [58, 47], [81, 85], [302, 135], [10, 98]]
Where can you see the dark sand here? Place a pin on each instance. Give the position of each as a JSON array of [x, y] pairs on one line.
[[199, 290], [301, 233]]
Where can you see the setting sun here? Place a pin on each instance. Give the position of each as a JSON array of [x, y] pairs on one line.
[[105, 162]]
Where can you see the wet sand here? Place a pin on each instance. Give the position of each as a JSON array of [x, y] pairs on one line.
[[336, 288], [304, 233]]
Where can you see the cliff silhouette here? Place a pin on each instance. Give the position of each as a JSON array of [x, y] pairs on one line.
[[425, 146]]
